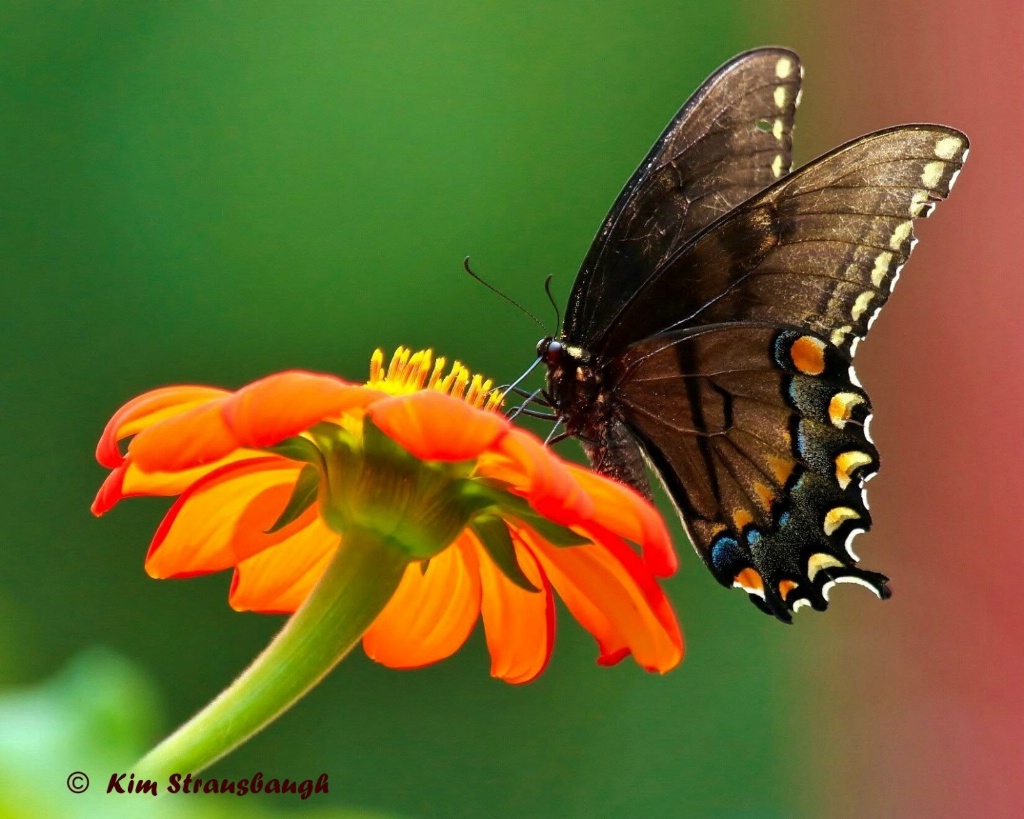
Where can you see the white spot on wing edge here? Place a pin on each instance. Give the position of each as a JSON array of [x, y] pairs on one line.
[[849, 544], [848, 579], [778, 129], [895, 277], [777, 165], [853, 377], [952, 178], [784, 67], [871, 319], [780, 96]]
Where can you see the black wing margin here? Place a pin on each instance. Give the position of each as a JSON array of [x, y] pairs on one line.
[[731, 139]]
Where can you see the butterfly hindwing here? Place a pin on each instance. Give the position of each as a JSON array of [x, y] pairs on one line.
[[758, 433], [820, 249], [730, 140]]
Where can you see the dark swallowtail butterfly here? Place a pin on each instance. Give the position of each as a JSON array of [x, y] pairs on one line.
[[711, 328]]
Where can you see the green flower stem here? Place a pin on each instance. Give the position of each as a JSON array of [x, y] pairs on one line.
[[352, 592]]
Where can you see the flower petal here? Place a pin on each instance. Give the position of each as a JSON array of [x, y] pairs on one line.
[[430, 615], [221, 519], [615, 598], [110, 491], [258, 415], [519, 625], [197, 436], [436, 427], [278, 580], [285, 404], [128, 481], [619, 509], [146, 410], [540, 476]]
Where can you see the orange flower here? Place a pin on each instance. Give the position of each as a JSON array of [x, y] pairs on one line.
[[271, 478]]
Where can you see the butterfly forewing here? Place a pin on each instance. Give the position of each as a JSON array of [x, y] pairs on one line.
[[820, 249], [733, 138]]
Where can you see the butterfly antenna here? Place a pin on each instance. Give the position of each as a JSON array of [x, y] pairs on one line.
[[551, 298], [505, 296]]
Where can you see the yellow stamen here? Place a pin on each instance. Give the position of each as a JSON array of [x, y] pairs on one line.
[[376, 365], [461, 379], [435, 376], [408, 372], [474, 389]]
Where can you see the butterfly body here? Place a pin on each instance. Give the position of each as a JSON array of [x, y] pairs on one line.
[[582, 389], [711, 329]]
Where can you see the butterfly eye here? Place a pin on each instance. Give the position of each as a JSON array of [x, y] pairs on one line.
[[551, 351]]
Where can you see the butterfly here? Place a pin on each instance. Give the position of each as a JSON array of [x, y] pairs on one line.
[[711, 328]]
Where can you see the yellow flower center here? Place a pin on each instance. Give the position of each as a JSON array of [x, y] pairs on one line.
[[410, 372]]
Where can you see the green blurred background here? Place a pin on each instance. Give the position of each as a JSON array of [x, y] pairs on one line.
[[209, 192]]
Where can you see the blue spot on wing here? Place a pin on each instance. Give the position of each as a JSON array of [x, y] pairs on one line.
[[726, 552]]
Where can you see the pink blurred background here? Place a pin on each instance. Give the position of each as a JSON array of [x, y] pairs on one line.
[[921, 699]]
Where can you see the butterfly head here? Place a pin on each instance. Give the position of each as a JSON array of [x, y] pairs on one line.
[[551, 351], [557, 354], [573, 385], [556, 358]]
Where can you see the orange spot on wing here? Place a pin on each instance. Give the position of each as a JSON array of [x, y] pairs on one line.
[[740, 518], [808, 354], [835, 518], [847, 463], [781, 468], [765, 494], [840, 408], [785, 587], [820, 561], [750, 581]]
